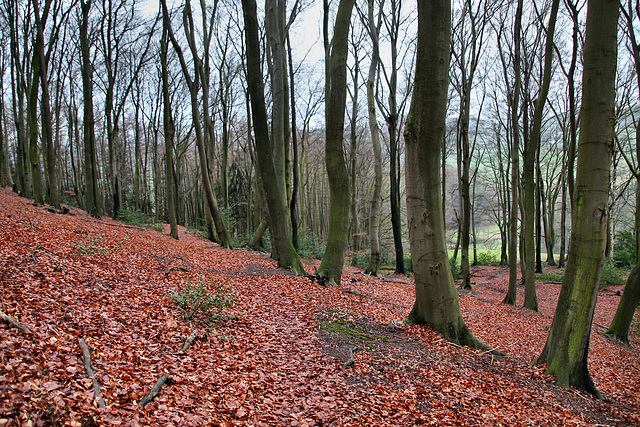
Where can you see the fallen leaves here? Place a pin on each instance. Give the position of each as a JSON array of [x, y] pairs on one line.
[[67, 277]]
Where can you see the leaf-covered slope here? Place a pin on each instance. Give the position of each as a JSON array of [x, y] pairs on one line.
[[278, 360]]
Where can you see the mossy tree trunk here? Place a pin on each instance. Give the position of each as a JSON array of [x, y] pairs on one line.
[[627, 307], [566, 349], [330, 270], [436, 300]]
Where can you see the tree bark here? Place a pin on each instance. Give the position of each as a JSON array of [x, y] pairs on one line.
[[374, 216], [93, 201], [514, 101], [566, 349], [626, 307], [201, 137], [283, 250], [532, 145], [330, 270], [436, 300], [168, 139]]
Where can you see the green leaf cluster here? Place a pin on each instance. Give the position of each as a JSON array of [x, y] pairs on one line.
[[203, 302]]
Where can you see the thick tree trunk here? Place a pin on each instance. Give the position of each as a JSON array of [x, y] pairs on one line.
[[626, 307], [436, 299], [330, 270], [565, 352]]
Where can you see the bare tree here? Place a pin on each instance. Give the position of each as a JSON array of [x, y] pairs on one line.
[[565, 352]]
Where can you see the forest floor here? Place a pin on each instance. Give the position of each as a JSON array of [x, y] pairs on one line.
[[278, 357]]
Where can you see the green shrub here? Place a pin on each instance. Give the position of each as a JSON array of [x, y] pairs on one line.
[[455, 271], [624, 251], [551, 277], [408, 263], [93, 247], [203, 302], [610, 275], [309, 246], [488, 258], [131, 216]]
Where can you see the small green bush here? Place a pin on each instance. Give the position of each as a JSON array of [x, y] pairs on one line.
[[488, 258], [309, 246], [93, 247], [610, 274], [455, 271], [624, 251], [551, 277], [131, 216], [203, 302]]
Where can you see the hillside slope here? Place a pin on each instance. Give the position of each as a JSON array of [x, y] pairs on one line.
[[277, 358]]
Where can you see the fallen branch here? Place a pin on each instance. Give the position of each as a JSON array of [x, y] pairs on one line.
[[174, 267], [156, 388], [86, 356], [14, 322], [189, 342]]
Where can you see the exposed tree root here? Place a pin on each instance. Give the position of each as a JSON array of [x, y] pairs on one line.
[[86, 356], [162, 379], [13, 322]]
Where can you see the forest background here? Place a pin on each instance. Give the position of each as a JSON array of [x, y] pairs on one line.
[[44, 126]]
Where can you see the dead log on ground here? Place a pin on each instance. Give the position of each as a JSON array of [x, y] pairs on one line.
[[86, 356], [156, 389]]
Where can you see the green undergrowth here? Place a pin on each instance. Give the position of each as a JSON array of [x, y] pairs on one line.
[[611, 275], [203, 302], [345, 327]]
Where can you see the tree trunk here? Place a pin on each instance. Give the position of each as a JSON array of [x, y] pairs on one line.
[[92, 193], [566, 349], [330, 270], [514, 102], [295, 184], [436, 299], [374, 216], [626, 307], [531, 154], [283, 250], [168, 139], [45, 106], [201, 137]]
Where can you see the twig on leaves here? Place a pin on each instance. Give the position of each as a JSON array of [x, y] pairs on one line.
[[86, 356], [14, 322], [162, 379], [189, 342]]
